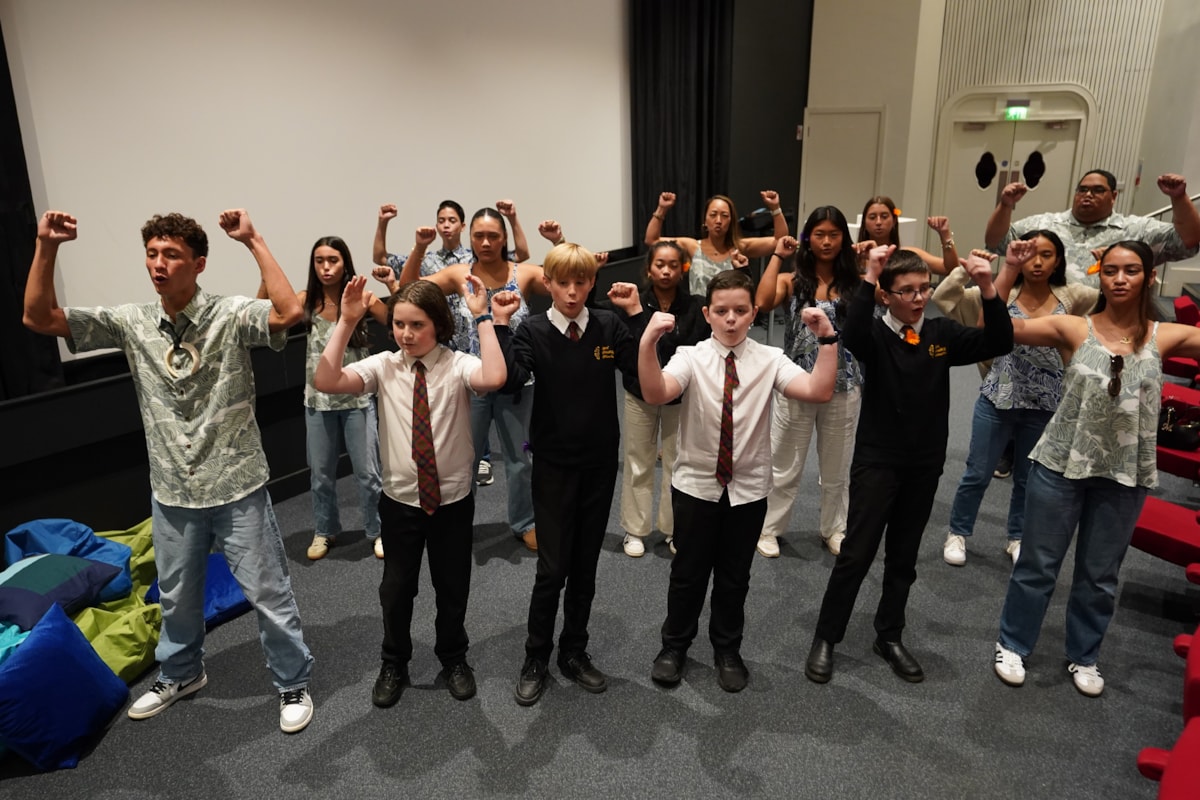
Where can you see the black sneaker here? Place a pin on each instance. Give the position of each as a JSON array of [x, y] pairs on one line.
[[1005, 464], [460, 680], [532, 682], [578, 667], [389, 685], [483, 474]]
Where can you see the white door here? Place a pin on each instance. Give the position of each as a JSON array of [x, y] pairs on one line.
[[986, 156], [840, 164]]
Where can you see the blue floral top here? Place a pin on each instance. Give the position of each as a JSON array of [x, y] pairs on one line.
[[466, 337], [800, 344], [1028, 377]]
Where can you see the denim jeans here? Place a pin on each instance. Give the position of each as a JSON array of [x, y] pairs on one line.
[[326, 432], [991, 429], [247, 533], [1106, 513], [511, 414]]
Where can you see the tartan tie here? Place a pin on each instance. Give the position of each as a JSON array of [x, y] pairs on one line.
[[725, 450], [573, 331], [422, 444]]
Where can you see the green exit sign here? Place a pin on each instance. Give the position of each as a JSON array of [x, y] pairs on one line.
[[1016, 113]]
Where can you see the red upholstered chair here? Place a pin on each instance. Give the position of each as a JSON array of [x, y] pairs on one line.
[[1191, 674], [1168, 531], [1177, 770], [1186, 313]]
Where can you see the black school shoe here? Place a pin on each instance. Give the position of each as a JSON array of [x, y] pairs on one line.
[[732, 674], [460, 680], [578, 667], [532, 682], [668, 667], [900, 660], [389, 685]]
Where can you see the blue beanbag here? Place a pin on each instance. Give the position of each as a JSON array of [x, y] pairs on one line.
[[56, 694], [67, 537], [28, 588], [223, 597]]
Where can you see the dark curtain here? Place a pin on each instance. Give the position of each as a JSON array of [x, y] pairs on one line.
[[28, 363], [681, 70]]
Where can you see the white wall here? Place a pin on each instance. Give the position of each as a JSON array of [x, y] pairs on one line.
[[311, 115], [864, 56], [1171, 133]]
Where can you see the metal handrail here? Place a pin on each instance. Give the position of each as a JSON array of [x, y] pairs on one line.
[[1165, 209]]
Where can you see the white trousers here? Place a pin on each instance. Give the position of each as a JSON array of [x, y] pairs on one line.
[[642, 426], [792, 427]]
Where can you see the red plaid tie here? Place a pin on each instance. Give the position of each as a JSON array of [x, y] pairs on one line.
[[573, 331], [725, 450], [422, 444]]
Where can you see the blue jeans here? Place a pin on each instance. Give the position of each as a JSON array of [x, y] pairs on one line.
[[326, 432], [247, 533], [991, 429], [1105, 512], [511, 414]]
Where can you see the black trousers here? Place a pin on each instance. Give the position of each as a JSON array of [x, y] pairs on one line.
[[896, 498], [407, 532], [714, 539], [570, 509]]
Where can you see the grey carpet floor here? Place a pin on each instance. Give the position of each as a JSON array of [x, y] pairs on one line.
[[961, 733]]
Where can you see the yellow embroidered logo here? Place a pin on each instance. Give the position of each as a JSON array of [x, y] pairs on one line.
[[604, 353], [936, 351]]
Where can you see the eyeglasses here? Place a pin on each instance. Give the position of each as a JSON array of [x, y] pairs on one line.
[[911, 294], [1094, 191], [1115, 364]]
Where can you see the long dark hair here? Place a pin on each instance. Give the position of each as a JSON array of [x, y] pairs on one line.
[[845, 263], [880, 200], [1059, 276], [1146, 313], [488, 211], [314, 296]]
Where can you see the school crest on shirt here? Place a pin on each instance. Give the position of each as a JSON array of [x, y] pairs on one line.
[[936, 351], [604, 353]]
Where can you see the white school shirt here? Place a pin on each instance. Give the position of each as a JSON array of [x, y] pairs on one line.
[[561, 321], [448, 382], [700, 372]]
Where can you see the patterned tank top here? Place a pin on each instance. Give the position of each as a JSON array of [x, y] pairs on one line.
[[1095, 435]]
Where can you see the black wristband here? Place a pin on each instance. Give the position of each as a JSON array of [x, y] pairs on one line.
[[828, 339], [484, 318], [780, 257]]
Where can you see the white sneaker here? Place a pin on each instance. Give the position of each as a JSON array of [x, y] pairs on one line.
[[319, 547], [1087, 679], [1010, 667], [162, 695], [1013, 548], [379, 547], [634, 546], [834, 543], [295, 710], [954, 551], [483, 474], [768, 546], [671, 544]]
